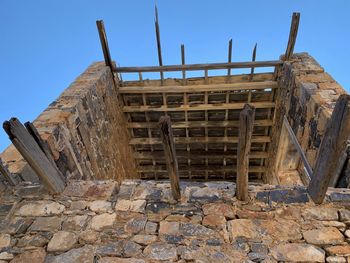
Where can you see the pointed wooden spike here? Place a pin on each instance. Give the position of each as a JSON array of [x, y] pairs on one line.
[[159, 47], [253, 60]]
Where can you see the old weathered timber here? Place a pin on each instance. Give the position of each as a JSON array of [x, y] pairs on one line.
[[246, 118], [166, 134], [6, 173], [104, 43], [292, 35], [332, 148], [34, 155], [253, 60], [159, 46]]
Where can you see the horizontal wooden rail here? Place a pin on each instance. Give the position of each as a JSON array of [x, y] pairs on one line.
[[200, 88], [199, 124], [208, 66], [199, 107], [201, 168], [145, 141], [198, 155]]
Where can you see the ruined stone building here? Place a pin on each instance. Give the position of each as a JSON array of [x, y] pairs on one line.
[[247, 167]]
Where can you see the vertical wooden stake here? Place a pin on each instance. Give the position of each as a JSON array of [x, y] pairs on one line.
[[229, 56], [104, 44], [333, 146], [253, 59], [183, 63], [246, 122], [292, 36], [159, 47], [166, 134]]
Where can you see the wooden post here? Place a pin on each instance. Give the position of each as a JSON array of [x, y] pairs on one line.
[[34, 155], [229, 60], [253, 59], [6, 173], [159, 47], [292, 36], [183, 62], [246, 122], [166, 134], [104, 44], [332, 148]]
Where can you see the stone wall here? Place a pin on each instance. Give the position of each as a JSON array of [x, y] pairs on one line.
[[309, 99], [138, 221], [85, 131]]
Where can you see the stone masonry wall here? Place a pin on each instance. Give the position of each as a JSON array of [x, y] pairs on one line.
[[138, 221], [312, 94], [85, 130]]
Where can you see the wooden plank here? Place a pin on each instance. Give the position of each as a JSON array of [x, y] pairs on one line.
[[198, 168], [332, 148], [207, 66], [179, 140], [6, 173], [159, 47], [245, 138], [32, 153], [198, 155], [253, 59], [292, 36], [199, 107], [170, 155], [104, 44], [198, 124], [200, 88]]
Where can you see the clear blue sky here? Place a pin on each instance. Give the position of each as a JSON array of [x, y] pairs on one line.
[[46, 44]]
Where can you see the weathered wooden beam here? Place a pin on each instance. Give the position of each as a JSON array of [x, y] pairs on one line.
[[6, 173], [229, 60], [159, 47], [42, 144], [198, 107], [292, 36], [246, 117], [104, 44], [184, 140], [197, 155], [208, 66], [332, 148], [198, 124], [34, 155], [199, 168], [253, 59], [240, 86], [167, 137]]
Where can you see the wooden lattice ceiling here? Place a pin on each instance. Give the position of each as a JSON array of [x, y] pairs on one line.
[[204, 115]]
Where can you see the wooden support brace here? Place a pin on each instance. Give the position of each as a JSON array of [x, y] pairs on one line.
[[166, 134], [332, 148], [6, 173], [292, 36], [246, 118], [183, 62], [34, 155]]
